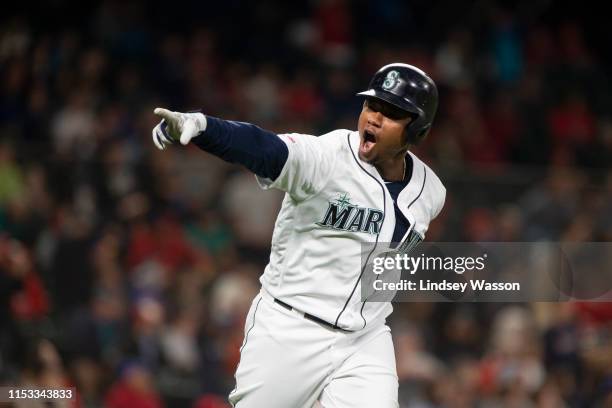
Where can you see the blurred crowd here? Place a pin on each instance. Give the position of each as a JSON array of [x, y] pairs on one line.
[[127, 272]]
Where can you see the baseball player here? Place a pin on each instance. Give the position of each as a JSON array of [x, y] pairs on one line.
[[309, 336]]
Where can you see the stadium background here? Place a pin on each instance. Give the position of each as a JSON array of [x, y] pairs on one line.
[[126, 272]]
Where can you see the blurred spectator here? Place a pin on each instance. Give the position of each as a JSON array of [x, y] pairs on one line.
[[11, 178], [43, 368], [334, 26], [453, 66], [73, 127], [550, 207], [507, 47], [31, 302], [89, 381], [572, 125], [210, 401], [161, 240], [251, 213], [134, 389]]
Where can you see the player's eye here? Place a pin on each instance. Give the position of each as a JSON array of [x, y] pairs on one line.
[[387, 109], [395, 114]]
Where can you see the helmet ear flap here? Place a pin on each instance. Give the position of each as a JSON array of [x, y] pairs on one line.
[[421, 134], [415, 131]]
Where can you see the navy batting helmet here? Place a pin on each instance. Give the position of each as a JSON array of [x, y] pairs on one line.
[[411, 90]]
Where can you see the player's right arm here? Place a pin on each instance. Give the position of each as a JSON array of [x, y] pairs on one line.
[[297, 164]]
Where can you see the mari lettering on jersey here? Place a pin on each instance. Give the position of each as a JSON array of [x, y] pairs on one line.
[[341, 214]]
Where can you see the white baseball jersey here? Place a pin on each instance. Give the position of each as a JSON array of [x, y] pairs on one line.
[[334, 202]]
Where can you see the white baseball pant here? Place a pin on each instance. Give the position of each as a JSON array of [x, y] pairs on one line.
[[288, 361]]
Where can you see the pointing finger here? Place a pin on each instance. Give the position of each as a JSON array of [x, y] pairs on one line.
[[165, 113]]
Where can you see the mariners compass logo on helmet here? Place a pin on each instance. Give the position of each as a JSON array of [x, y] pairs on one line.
[[390, 80]]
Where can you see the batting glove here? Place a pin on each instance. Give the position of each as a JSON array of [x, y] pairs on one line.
[[177, 127]]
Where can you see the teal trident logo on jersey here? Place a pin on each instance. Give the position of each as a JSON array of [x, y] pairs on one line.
[[343, 215]]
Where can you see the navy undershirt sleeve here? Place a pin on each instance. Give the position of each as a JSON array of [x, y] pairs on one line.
[[259, 150]]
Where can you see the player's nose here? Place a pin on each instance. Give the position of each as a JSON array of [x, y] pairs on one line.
[[375, 119]]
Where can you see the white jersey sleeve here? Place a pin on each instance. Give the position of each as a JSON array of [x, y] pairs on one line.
[[309, 165]]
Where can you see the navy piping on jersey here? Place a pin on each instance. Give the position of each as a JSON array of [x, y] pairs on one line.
[[246, 338], [416, 198], [348, 139], [259, 150], [422, 187]]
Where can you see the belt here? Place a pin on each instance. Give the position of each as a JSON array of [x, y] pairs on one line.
[[311, 317]]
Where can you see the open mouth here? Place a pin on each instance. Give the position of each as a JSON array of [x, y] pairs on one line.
[[368, 137], [368, 143]]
